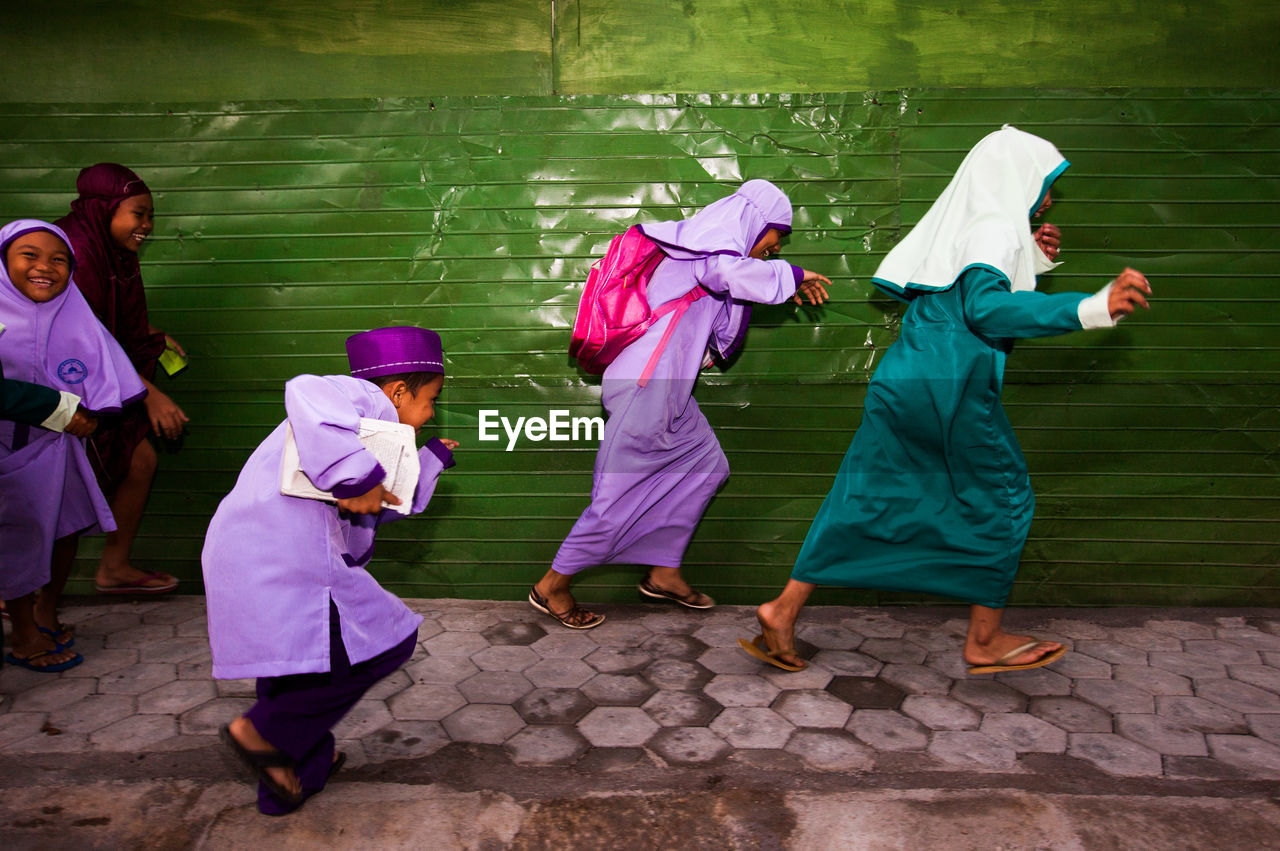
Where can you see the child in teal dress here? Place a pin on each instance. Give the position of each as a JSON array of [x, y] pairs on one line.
[[933, 494]]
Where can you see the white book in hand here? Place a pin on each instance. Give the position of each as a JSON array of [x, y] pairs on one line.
[[391, 443]]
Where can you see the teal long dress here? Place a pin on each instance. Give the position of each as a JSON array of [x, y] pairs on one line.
[[933, 495]]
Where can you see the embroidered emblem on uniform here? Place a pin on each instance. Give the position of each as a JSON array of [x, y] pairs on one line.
[[72, 371]]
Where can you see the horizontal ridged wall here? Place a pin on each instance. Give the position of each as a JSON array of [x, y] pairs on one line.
[[284, 227]]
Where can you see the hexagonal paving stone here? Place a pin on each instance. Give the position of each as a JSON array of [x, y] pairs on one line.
[[1265, 727], [175, 610], [726, 660], [1261, 759], [392, 684], [949, 663], [429, 628], [205, 719], [1251, 638], [551, 745], [92, 712], [1112, 651], [1262, 676], [688, 746], [935, 640], [941, 713], [1114, 696], [1240, 697], [617, 689], [1159, 735], [1081, 666], [875, 625], [1196, 713], [553, 706], [677, 674], [828, 750], [888, 730], [679, 647], [1115, 754], [103, 662], [505, 658], [673, 622], [866, 692], [893, 650], [682, 708], [741, 690], [135, 733], [559, 673], [495, 687], [17, 726], [404, 740], [814, 676], [847, 663], [989, 696], [426, 702], [1039, 682], [195, 627], [50, 696], [619, 660], [1024, 733], [1189, 665], [1153, 680], [828, 637], [812, 708], [174, 649], [1074, 716], [1077, 629], [1145, 639], [176, 697], [365, 717], [468, 621], [917, 679], [752, 727], [971, 749], [511, 633], [616, 632], [483, 723], [441, 670], [139, 637], [43, 743], [1180, 629], [724, 634], [1222, 651], [195, 669], [617, 727], [564, 645], [456, 644]]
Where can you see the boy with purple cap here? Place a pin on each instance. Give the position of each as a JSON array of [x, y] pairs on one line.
[[289, 599]]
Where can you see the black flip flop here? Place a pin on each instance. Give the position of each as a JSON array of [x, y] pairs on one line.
[[259, 761]]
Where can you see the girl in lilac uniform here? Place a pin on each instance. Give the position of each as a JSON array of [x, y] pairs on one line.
[[659, 463], [289, 599], [48, 492]]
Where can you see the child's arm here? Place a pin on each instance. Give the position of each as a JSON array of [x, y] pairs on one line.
[[994, 312], [325, 417], [35, 404], [762, 281]]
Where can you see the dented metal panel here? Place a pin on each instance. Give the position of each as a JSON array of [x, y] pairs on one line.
[[285, 226]]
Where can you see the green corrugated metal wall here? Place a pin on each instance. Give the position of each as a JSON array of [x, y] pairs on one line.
[[287, 224]]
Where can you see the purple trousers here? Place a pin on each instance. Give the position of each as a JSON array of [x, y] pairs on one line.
[[295, 713]]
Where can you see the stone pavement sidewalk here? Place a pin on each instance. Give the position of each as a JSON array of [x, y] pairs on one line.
[[500, 700]]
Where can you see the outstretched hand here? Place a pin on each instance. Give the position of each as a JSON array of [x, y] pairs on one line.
[[1128, 291], [812, 287], [369, 503], [1049, 238]]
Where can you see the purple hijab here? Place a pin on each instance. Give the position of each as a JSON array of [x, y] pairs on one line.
[[732, 225], [60, 343]]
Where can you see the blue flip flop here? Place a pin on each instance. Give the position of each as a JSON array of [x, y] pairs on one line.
[[25, 662], [59, 646]]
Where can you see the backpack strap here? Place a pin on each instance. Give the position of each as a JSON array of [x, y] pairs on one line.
[[678, 307]]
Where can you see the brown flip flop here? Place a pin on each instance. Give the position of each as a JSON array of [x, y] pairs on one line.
[[1000, 664], [760, 650]]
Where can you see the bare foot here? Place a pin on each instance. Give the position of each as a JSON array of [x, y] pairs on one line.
[[243, 731], [25, 650], [562, 607], [779, 634], [1002, 643], [128, 576], [672, 582]]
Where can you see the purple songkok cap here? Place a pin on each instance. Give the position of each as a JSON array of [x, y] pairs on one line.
[[391, 351]]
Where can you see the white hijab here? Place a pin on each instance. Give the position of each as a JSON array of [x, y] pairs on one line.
[[980, 219]]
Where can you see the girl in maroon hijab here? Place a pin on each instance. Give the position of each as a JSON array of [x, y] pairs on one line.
[[108, 223]]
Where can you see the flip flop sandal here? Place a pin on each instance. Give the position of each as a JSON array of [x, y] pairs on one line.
[[139, 586], [1001, 664], [53, 634], [693, 600], [25, 662], [259, 761], [573, 619], [760, 650]]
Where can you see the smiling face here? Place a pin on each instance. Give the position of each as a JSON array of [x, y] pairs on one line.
[[39, 265], [769, 245], [415, 409], [132, 222]]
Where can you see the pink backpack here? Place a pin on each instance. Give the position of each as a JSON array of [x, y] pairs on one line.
[[614, 310]]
